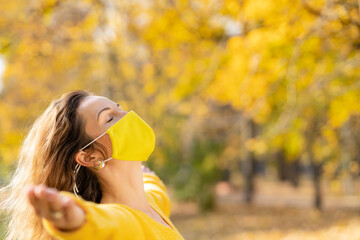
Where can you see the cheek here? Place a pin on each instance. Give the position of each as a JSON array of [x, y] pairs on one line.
[[106, 141]]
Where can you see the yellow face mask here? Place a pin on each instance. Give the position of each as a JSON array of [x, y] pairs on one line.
[[131, 137]]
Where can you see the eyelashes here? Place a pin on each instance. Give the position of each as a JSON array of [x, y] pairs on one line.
[[112, 118]]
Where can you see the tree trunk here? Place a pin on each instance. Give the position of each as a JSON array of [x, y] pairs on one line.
[[250, 178], [281, 165], [312, 132], [317, 186], [288, 171], [249, 160], [294, 173]]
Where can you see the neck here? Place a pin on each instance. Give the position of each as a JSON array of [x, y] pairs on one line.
[[122, 182]]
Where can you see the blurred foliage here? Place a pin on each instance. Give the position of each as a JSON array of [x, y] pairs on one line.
[[194, 70]]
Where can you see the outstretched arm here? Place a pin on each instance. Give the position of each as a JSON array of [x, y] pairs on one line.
[[65, 216]]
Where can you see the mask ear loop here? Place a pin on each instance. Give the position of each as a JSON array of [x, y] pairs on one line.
[[92, 141], [98, 164]]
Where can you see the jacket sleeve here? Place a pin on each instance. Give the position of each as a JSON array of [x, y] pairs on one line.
[[101, 222], [156, 188]]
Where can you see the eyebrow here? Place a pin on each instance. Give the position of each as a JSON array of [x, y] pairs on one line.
[[104, 109]]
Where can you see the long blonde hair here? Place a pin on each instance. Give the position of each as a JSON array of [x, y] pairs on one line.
[[47, 157]]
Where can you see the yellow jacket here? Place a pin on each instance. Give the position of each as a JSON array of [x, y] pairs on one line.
[[120, 222]]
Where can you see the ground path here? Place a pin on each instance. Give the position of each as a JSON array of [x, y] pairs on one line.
[[279, 212]]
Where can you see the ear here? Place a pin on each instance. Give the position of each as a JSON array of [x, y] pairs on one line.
[[84, 159]]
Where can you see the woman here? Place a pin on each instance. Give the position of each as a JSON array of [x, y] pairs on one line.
[[88, 145]]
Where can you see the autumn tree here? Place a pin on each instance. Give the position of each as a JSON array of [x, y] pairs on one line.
[[221, 82]]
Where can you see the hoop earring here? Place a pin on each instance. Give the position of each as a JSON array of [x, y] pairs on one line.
[[99, 164], [75, 188]]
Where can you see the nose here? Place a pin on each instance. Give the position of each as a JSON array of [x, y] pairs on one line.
[[122, 113]]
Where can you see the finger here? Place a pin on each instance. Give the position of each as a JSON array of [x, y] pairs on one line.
[[54, 205], [54, 199], [74, 213], [30, 194], [68, 207], [32, 199], [35, 200], [42, 202]]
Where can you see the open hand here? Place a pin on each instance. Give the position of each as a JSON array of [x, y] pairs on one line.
[[63, 212]]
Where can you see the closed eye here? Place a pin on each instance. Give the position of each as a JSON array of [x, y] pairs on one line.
[[110, 120]]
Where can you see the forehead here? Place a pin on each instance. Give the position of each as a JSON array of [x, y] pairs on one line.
[[94, 102], [91, 105]]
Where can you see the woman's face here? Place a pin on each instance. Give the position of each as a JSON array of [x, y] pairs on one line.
[[100, 113]]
